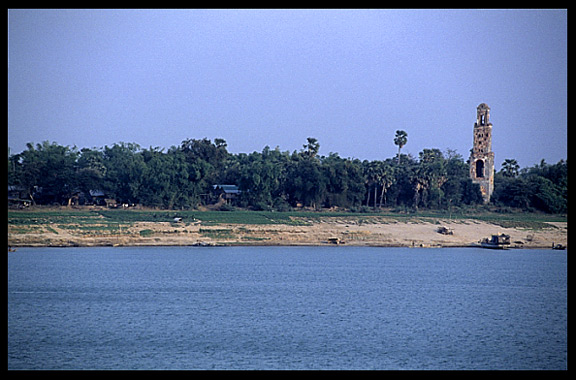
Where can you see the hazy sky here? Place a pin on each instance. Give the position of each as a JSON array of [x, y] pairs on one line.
[[349, 78]]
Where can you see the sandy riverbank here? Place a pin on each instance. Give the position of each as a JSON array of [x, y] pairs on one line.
[[393, 233]]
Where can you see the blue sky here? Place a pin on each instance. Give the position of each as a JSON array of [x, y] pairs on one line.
[[349, 78]]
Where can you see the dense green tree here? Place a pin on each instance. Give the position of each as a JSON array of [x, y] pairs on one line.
[[91, 170], [543, 187], [512, 192], [183, 177], [259, 177], [546, 196], [401, 193], [47, 172], [344, 181], [165, 179], [304, 181], [207, 163], [428, 178], [26, 172], [125, 170]]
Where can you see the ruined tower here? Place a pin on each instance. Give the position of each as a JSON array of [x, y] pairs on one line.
[[481, 156]]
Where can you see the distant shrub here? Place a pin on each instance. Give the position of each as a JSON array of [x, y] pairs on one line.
[[226, 207], [146, 233]]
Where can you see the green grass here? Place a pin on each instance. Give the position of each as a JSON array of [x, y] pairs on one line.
[[146, 233], [50, 217], [205, 217], [112, 220]]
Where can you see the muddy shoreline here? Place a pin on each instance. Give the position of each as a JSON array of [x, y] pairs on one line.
[[466, 233]]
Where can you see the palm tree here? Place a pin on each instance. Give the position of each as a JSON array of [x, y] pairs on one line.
[[421, 179], [311, 149], [386, 179], [379, 174], [510, 168], [372, 174], [400, 139]]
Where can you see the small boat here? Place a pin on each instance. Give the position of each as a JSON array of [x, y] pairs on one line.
[[498, 241], [558, 247], [203, 244]]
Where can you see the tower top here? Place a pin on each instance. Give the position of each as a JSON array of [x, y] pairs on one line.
[[483, 115]]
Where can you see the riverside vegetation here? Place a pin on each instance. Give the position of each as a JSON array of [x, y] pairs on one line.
[[181, 178]]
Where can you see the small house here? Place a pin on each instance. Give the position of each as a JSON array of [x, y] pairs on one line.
[[98, 197], [226, 192], [18, 197]]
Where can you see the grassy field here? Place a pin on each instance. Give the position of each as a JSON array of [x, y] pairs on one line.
[[106, 220]]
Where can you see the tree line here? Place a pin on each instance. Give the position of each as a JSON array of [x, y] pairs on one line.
[[182, 177]]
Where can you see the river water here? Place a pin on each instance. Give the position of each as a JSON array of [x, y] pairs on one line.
[[331, 307]]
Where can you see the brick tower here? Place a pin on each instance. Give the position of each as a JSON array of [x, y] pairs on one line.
[[481, 156]]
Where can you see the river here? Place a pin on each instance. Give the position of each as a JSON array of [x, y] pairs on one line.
[[333, 307]]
